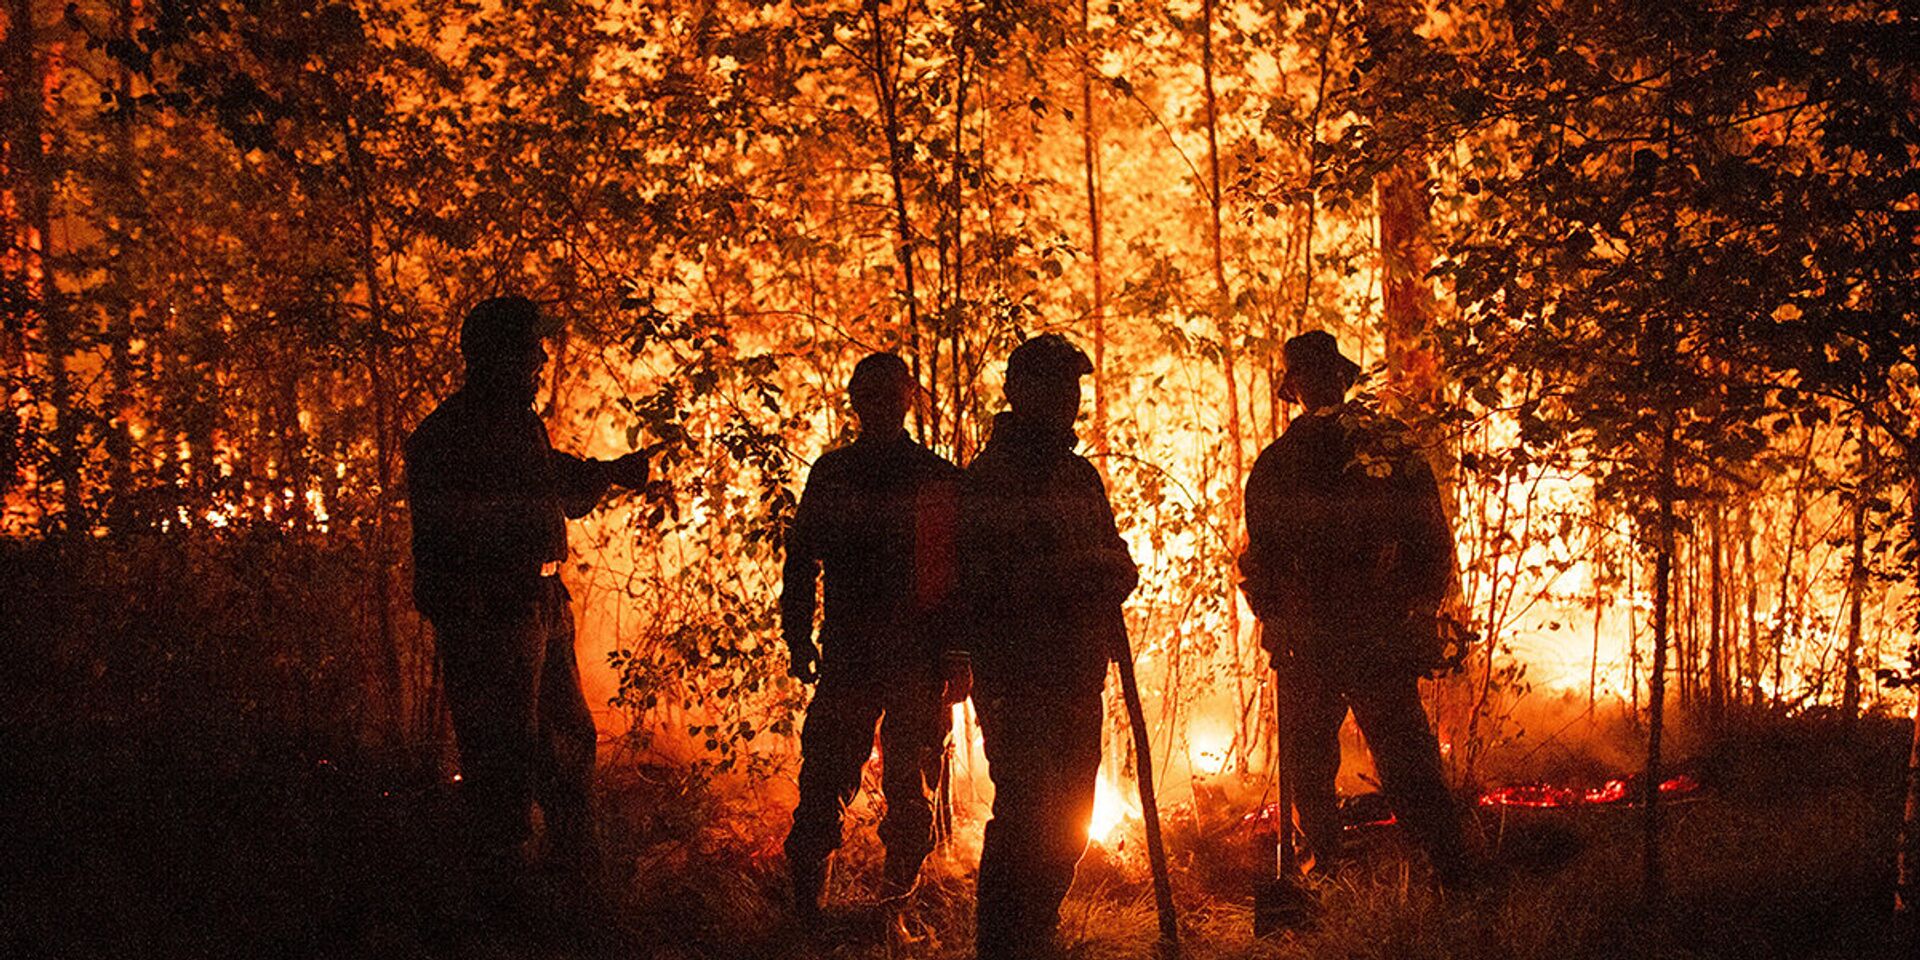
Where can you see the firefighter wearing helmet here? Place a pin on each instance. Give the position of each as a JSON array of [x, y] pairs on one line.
[[490, 499], [1043, 575], [876, 523]]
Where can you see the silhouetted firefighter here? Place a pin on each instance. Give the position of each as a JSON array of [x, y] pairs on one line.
[[1043, 575], [490, 499], [1349, 557], [878, 515]]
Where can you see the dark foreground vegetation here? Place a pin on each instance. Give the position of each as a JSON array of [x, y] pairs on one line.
[[183, 799], [140, 852]]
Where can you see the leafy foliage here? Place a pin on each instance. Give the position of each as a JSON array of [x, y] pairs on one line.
[[1630, 230]]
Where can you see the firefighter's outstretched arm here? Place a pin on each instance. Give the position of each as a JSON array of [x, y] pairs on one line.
[[581, 483]]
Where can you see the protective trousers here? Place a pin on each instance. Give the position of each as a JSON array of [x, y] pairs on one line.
[[1405, 753], [1043, 751], [835, 743], [523, 728]]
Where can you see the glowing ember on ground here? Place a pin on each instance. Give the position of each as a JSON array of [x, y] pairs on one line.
[[1371, 809], [1534, 795], [1616, 791], [1613, 791]]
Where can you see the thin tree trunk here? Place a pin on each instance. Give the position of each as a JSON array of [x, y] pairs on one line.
[[1406, 253], [1223, 302], [1907, 866], [119, 439], [1599, 606], [18, 66], [1654, 880], [1633, 631], [1406, 304], [1717, 632], [953, 280], [1696, 645], [1786, 576], [395, 679], [1223, 307], [886, 90], [958, 374], [1683, 633], [1090, 156], [1856, 588], [1750, 665], [1907, 889], [35, 168], [293, 442], [1494, 620]]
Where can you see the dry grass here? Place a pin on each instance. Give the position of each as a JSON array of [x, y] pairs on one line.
[[1788, 855]]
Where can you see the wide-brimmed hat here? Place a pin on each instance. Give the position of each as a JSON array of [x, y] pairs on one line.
[[1316, 350]]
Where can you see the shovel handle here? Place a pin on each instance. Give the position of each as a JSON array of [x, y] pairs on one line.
[[1149, 807], [1287, 860]]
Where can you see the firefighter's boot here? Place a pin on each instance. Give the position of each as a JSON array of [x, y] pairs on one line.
[[809, 878]]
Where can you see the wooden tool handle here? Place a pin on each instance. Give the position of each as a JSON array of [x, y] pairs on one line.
[[1150, 808]]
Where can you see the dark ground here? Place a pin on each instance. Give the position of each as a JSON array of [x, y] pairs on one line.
[[129, 849], [183, 731]]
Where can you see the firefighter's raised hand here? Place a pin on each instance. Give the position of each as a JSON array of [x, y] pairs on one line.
[[803, 660], [633, 470]]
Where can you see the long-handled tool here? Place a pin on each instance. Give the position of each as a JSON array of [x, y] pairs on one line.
[[1149, 807], [1281, 901], [943, 797]]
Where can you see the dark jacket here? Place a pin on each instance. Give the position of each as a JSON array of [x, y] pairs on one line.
[[1043, 571], [1349, 554], [490, 498], [876, 522]]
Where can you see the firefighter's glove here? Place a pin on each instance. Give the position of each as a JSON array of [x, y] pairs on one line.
[[632, 470], [1089, 580], [803, 660]]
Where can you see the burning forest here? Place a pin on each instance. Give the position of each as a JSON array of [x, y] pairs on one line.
[[1365, 478]]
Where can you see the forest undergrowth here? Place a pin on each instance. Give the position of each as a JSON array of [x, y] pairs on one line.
[[1786, 852], [190, 774], [173, 791]]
